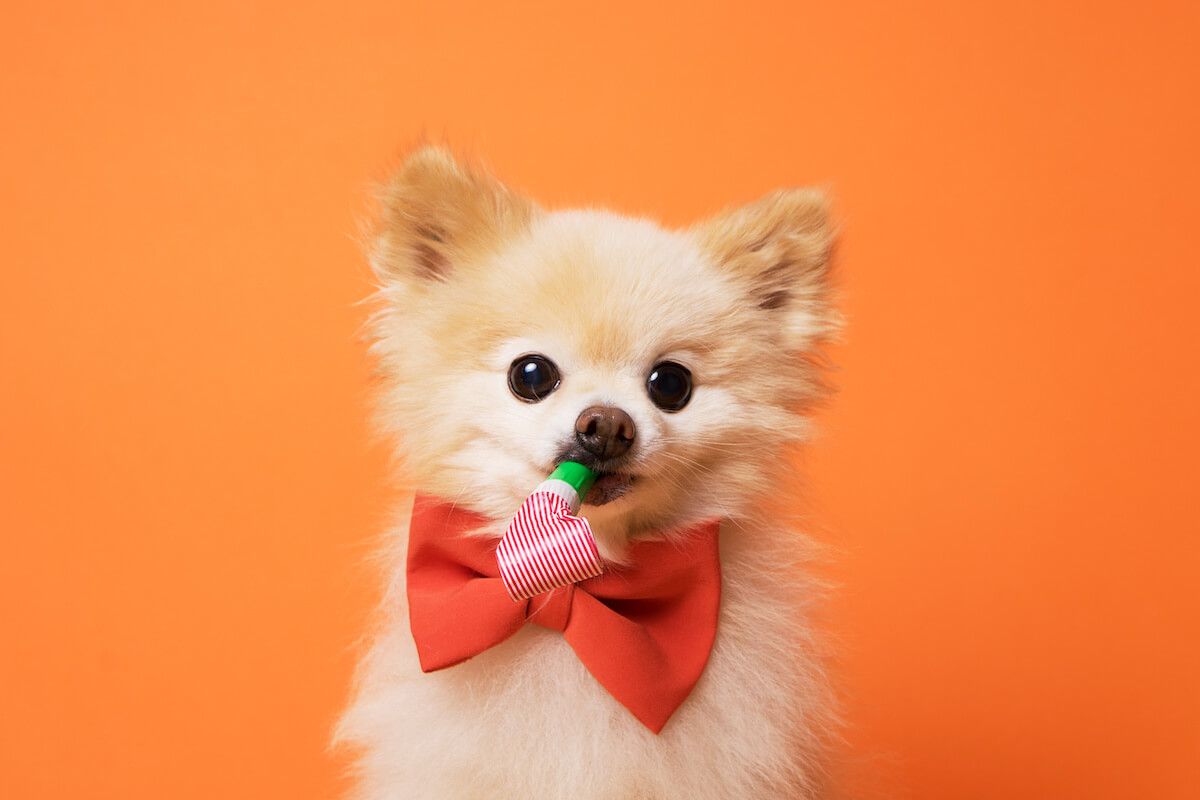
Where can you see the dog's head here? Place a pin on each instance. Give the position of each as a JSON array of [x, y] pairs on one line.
[[675, 363]]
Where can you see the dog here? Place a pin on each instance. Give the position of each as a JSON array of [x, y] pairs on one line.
[[681, 366]]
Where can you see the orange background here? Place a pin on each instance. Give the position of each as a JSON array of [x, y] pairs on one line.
[[188, 487]]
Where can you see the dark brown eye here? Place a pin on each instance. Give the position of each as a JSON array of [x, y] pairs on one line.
[[532, 378], [669, 386]]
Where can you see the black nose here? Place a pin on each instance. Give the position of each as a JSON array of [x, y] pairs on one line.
[[605, 432]]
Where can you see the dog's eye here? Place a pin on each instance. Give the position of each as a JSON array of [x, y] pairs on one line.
[[532, 378], [670, 386]]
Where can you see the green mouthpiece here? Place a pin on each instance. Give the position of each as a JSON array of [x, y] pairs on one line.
[[580, 477]]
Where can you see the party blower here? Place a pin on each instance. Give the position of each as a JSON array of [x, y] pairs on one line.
[[546, 546]]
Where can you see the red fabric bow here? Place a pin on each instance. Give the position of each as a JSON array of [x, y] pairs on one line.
[[644, 631]]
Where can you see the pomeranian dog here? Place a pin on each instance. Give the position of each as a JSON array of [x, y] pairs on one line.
[[678, 365]]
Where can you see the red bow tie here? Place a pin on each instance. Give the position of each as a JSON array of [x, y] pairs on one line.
[[644, 631]]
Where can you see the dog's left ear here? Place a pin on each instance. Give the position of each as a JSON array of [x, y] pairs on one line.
[[779, 249], [437, 215]]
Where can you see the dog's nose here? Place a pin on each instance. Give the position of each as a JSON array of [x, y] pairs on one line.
[[605, 432]]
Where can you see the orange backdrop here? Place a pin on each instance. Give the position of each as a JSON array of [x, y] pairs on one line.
[[188, 486]]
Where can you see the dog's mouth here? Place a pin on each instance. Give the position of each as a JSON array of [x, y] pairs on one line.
[[609, 486], [614, 479]]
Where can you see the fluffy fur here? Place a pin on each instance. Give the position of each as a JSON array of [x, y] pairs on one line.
[[472, 276]]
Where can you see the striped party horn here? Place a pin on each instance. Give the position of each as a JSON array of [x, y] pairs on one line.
[[546, 546]]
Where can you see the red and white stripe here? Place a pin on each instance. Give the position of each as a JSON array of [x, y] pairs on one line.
[[545, 547]]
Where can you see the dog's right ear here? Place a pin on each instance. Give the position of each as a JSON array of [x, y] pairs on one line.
[[437, 215], [779, 248]]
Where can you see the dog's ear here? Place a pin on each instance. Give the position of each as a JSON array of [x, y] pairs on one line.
[[437, 215], [779, 249]]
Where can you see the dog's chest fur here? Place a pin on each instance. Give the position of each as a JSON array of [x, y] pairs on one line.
[[526, 720]]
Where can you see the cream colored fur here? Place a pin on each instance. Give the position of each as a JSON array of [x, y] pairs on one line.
[[473, 276]]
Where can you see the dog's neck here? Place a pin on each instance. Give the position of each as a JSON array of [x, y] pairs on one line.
[[616, 525]]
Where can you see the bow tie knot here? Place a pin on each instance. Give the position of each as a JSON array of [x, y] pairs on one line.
[[552, 609]]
